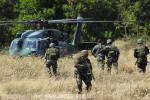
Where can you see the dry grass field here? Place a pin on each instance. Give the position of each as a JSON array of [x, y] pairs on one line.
[[27, 79]]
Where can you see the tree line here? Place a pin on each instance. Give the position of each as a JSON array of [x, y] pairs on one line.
[[124, 10]]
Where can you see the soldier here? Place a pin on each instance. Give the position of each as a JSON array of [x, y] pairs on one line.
[[112, 53], [141, 52], [83, 71], [48, 41], [51, 56], [98, 52]]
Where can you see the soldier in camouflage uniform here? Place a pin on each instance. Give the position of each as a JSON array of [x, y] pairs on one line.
[[141, 52], [83, 71], [98, 52], [51, 56], [112, 54]]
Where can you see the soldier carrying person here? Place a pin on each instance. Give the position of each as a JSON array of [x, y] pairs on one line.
[[51, 56], [112, 54], [141, 52], [83, 71], [99, 53]]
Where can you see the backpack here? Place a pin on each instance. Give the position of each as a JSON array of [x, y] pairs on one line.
[[112, 52], [141, 51], [52, 54]]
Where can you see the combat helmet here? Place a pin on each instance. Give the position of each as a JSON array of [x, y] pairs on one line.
[[99, 41], [109, 41], [51, 44], [139, 41], [84, 52]]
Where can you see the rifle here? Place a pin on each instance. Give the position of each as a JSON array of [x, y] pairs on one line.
[[88, 65], [100, 50], [135, 63]]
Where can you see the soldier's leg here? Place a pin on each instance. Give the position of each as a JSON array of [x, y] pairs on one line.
[[141, 68], [79, 83], [109, 68], [115, 65], [87, 81], [144, 66], [101, 64], [48, 68], [144, 69], [109, 65], [55, 68]]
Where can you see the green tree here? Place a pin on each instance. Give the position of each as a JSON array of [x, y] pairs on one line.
[[97, 9], [104, 10], [134, 10], [34, 9], [7, 12]]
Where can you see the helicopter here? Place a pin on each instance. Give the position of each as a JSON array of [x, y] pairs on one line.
[[36, 41]]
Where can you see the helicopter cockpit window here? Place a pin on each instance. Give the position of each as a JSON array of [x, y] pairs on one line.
[[49, 34], [30, 44], [18, 35], [20, 44], [14, 45]]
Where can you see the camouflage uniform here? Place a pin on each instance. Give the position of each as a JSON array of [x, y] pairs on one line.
[[141, 52], [99, 53], [51, 56], [112, 53], [83, 71]]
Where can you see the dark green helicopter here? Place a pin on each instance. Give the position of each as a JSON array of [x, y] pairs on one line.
[[36, 41]]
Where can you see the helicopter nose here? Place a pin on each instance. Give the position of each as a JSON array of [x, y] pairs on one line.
[[34, 53]]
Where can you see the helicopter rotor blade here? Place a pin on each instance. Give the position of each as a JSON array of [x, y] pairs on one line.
[[67, 20], [63, 21], [73, 19], [14, 22], [40, 20], [19, 22], [6, 24]]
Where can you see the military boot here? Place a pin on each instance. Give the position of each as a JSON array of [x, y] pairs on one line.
[[109, 69], [55, 71], [49, 71], [89, 88]]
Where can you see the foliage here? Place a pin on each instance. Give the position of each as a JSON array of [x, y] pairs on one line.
[[97, 9], [136, 10]]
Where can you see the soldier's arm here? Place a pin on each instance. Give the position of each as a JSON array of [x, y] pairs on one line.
[[117, 53], [106, 49], [45, 56], [147, 50], [117, 50], [58, 52], [94, 50], [135, 53], [78, 63], [90, 69], [89, 63]]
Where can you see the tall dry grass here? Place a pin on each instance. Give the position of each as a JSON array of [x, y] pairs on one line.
[[27, 78]]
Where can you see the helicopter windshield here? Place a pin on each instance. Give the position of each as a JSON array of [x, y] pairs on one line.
[[36, 34], [30, 44], [14, 45], [26, 33]]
